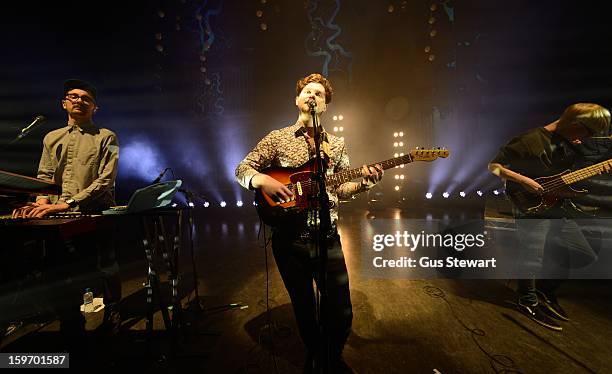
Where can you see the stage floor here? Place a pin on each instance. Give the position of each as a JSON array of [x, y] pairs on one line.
[[399, 325]]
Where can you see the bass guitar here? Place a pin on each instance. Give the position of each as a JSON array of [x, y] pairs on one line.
[[556, 187], [300, 181]]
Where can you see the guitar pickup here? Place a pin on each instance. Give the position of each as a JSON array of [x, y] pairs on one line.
[[299, 188]]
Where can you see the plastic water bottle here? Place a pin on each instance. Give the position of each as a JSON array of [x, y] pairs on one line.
[[88, 301]]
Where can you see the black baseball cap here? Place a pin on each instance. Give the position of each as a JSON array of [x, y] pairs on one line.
[[71, 84]]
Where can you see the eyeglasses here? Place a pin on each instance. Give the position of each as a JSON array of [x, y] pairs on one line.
[[85, 99]]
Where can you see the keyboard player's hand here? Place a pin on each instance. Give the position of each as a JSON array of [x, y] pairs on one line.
[[45, 209], [23, 211]]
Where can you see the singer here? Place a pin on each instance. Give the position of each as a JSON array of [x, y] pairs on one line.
[[292, 242], [80, 157]]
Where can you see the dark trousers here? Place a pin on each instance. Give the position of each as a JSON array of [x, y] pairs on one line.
[[548, 249], [295, 258]]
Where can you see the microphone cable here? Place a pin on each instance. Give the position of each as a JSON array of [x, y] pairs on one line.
[[501, 364]]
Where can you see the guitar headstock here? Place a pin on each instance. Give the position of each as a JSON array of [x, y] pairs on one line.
[[420, 154]]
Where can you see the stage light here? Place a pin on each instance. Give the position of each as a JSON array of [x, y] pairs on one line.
[[401, 144], [479, 193], [396, 155], [431, 57], [495, 192], [431, 20], [239, 203], [402, 153], [395, 144], [401, 133], [174, 205], [206, 204], [223, 204], [402, 166], [263, 26], [254, 203], [397, 188], [335, 128], [340, 128], [445, 195], [191, 204], [428, 195], [335, 118], [340, 117], [402, 176], [395, 135], [462, 194], [433, 33], [259, 13], [396, 176]]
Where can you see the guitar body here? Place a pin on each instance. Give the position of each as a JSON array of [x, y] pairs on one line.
[[304, 188], [530, 203], [270, 211]]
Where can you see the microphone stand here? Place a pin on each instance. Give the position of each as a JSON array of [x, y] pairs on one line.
[[197, 305], [190, 205], [322, 221]]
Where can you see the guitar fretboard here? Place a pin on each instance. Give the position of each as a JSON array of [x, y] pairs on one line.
[[582, 174], [349, 175]]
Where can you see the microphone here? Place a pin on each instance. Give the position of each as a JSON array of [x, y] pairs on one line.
[[312, 103], [39, 120], [188, 194], [160, 176]]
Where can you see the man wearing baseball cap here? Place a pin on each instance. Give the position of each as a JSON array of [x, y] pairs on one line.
[[81, 157]]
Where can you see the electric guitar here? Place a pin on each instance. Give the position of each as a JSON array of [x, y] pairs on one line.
[[556, 187], [300, 181]]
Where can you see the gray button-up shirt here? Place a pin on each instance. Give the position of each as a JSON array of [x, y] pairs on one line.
[[83, 160]]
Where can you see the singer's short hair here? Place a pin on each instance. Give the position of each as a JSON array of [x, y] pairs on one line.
[[71, 84], [595, 117], [315, 78]]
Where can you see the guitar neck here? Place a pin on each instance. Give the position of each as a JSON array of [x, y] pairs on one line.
[[349, 175], [585, 173]]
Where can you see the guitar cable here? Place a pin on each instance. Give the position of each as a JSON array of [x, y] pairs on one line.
[[268, 312], [269, 325]]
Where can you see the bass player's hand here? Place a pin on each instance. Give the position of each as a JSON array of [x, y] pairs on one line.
[[531, 185]]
